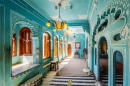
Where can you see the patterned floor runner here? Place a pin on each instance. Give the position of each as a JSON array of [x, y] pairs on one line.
[[74, 68]]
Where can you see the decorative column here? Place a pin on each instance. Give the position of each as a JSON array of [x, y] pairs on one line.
[[7, 47], [17, 38], [36, 52], [52, 46], [67, 45], [63, 48], [59, 48], [109, 20], [40, 36], [112, 18], [2, 50]]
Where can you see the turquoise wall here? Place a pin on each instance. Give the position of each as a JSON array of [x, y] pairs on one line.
[[14, 15], [108, 11], [78, 38]]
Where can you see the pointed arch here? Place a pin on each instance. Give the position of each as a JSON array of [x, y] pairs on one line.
[[25, 42], [55, 47], [46, 45], [14, 45]]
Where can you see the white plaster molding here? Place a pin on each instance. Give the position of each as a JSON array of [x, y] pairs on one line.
[[64, 3], [82, 17], [17, 18]]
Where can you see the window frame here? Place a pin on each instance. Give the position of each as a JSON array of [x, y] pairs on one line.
[[23, 39], [46, 47], [55, 46], [14, 44]]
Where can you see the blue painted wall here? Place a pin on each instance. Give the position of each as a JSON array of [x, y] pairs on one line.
[[78, 38], [107, 10], [14, 15]]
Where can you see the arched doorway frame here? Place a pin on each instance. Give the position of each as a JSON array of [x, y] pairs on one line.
[[98, 56], [114, 67]]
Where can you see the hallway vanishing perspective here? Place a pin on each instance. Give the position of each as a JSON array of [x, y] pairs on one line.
[[64, 43], [70, 73]]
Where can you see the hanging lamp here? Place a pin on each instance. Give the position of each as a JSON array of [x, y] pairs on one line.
[[59, 23]]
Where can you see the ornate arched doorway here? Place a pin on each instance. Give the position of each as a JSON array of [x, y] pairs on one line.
[[117, 69], [103, 60]]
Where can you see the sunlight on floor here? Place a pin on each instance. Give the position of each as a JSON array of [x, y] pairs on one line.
[[67, 60], [69, 57], [64, 63]]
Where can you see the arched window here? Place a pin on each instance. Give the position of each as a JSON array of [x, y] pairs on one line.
[[55, 47], [61, 46], [25, 42], [46, 45], [14, 45], [117, 37]]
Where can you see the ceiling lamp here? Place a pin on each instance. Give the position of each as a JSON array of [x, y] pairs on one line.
[[67, 30], [59, 23]]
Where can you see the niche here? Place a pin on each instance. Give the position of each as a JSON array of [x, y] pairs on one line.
[[104, 25], [117, 14], [117, 37]]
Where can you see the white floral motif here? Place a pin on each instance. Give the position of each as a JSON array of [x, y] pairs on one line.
[[125, 32], [127, 12], [64, 2]]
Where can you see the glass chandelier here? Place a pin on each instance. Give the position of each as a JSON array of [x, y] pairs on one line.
[[59, 23]]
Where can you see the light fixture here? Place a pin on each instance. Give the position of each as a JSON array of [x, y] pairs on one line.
[[59, 23], [54, 29], [48, 24], [67, 30]]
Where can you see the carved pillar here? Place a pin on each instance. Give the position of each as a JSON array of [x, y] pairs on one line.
[[59, 48], [35, 46], [52, 46], [112, 18], [67, 45], [109, 20], [40, 36], [63, 48]]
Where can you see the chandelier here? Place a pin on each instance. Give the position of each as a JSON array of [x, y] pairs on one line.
[[59, 23]]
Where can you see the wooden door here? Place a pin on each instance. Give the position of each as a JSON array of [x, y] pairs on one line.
[[69, 50]]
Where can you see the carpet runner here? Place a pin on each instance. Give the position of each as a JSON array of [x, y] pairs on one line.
[[74, 68]]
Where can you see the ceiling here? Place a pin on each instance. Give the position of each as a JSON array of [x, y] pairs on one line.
[[80, 12], [79, 15]]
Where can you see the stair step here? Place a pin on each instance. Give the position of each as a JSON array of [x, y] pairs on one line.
[[75, 84], [117, 84], [78, 81], [107, 76], [79, 78], [116, 81], [117, 78]]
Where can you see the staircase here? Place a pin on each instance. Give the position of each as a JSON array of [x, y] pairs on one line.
[[119, 79], [63, 81]]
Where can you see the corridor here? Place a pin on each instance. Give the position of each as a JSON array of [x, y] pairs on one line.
[[69, 69], [35, 35]]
